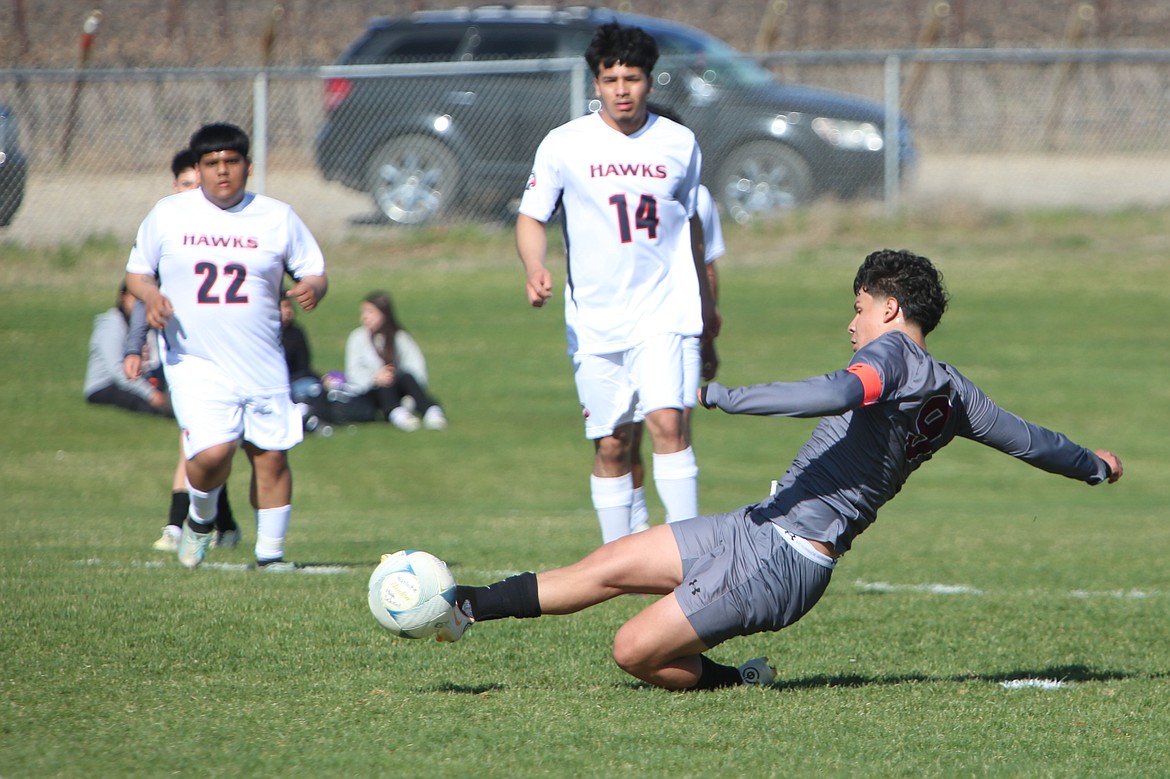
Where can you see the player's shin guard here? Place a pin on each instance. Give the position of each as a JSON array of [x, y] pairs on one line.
[[515, 596], [639, 512], [271, 528], [180, 508], [676, 477], [204, 505], [612, 498]]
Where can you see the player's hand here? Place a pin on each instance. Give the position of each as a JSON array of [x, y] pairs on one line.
[[305, 294], [1114, 463], [385, 376], [539, 287], [158, 310], [132, 366], [158, 400]]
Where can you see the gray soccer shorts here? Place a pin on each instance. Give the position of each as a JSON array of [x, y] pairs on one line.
[[741, 576]]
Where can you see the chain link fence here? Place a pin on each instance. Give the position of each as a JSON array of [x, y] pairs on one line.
[[992, 128]]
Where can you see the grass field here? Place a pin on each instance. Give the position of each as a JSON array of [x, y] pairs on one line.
[[114, 661]]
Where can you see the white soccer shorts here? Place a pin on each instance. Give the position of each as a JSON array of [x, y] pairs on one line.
[[211, 411], [618, 388]]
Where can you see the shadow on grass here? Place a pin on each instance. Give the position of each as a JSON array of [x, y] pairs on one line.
[[479, 689], [1060, 673]]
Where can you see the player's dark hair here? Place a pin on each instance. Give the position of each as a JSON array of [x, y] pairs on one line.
[[123, 291], [630, 46], [182, 161], [390, 327], [910, 279], [219, 137]]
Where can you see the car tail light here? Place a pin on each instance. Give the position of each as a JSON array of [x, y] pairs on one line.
[[336, 91]]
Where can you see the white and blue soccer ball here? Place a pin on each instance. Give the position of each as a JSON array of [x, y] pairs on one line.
[[412, 593]]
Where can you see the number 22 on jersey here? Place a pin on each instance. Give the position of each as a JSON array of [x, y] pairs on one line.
[[234, 275]]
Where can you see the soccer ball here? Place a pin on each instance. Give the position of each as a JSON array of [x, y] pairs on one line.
[[411, 593]]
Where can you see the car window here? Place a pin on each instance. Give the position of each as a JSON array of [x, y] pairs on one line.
[[417, 46], [502, 42], [711, 59]]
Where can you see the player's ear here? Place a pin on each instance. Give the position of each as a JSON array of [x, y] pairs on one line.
[[892, 310]]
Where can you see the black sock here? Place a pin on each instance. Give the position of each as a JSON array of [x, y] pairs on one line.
[[224, 519], [199, 527], [180, 505], [515, 596], [713, 676]]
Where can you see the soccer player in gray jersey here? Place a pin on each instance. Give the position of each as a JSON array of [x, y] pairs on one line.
[[763, 566]]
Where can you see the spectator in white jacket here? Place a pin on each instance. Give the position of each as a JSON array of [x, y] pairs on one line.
[[385, 365]]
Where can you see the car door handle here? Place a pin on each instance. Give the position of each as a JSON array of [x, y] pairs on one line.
[[461, 98]]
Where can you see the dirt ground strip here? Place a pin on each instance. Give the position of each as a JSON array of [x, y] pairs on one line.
[[62, 209]]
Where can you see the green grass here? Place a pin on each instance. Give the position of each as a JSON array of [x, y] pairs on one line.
[[115, 662]]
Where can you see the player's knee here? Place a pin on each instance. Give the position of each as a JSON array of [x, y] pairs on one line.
[[630, 652], [613, 450]]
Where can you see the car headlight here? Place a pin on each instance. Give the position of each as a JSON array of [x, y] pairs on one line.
[[853, 136]]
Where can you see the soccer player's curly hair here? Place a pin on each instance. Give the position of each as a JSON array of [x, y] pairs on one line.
[[910, 279], [630, 46]]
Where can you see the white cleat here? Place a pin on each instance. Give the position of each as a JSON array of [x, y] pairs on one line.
[[277, 566], [458, 623], [225, 539], [193, 547], [757, 672], [169, 540]]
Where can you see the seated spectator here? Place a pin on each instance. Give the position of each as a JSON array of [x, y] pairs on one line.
[[384, 367], [304, 383], [105, 381]]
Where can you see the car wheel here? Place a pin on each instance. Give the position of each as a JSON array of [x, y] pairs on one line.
[[413, 179], [763, 177]]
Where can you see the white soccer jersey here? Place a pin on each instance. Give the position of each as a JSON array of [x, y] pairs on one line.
[[222, 270], [626, 201]]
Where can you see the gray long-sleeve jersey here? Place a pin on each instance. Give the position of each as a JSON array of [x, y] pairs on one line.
[[882, 417]]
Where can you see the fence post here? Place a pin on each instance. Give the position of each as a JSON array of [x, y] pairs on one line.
[[258, 180], [893, 148], [577, 91]]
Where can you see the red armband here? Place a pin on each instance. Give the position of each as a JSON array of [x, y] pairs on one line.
[[871, 382]]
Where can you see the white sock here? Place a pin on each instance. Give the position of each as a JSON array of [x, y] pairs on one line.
[[676, 476], [271, 528], [639, 513], [611, 499], [203, 505]]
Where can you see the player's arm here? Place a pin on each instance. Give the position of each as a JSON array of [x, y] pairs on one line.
[[145, 287], [1038, 446], [135, 341], [309, 290], [706, 295], [532, 246], [828, 395]]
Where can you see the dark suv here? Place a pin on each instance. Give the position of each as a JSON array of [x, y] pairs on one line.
[[13, 166], [439, 113]]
